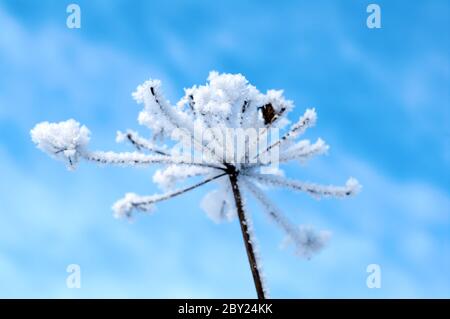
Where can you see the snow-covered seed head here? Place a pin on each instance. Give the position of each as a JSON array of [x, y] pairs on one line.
[[63, 140], [213, 116], [307, 241], [218, 205], [353, 186], [124, 207]]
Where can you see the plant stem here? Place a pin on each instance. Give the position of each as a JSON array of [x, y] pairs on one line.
[[246, 236]]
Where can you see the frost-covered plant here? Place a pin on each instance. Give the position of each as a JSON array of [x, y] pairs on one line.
[[226, 103]]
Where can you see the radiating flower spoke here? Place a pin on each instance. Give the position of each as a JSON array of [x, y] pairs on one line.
[[351, 187]]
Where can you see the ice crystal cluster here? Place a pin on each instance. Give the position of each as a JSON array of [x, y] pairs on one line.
[[197, 139]]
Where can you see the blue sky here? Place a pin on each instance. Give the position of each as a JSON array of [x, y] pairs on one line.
[[383, 102]]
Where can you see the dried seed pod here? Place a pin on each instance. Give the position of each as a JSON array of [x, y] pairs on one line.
[[268, 113]]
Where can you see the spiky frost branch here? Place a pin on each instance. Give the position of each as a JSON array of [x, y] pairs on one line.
[[139, 159], [140, 143], [150, 93], [125, 206], [306, 240], [166, 178], [306, 121], [351, 187], [304, 150]]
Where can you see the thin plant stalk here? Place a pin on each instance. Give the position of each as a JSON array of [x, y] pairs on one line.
[[246, 236]]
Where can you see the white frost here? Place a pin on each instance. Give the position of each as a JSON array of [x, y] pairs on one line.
[[217, 206], [308, 241], [63, 140], [168, 177], [123, 208]]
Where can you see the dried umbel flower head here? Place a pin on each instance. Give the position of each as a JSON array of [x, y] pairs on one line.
[[206, 115], [62, 140]]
